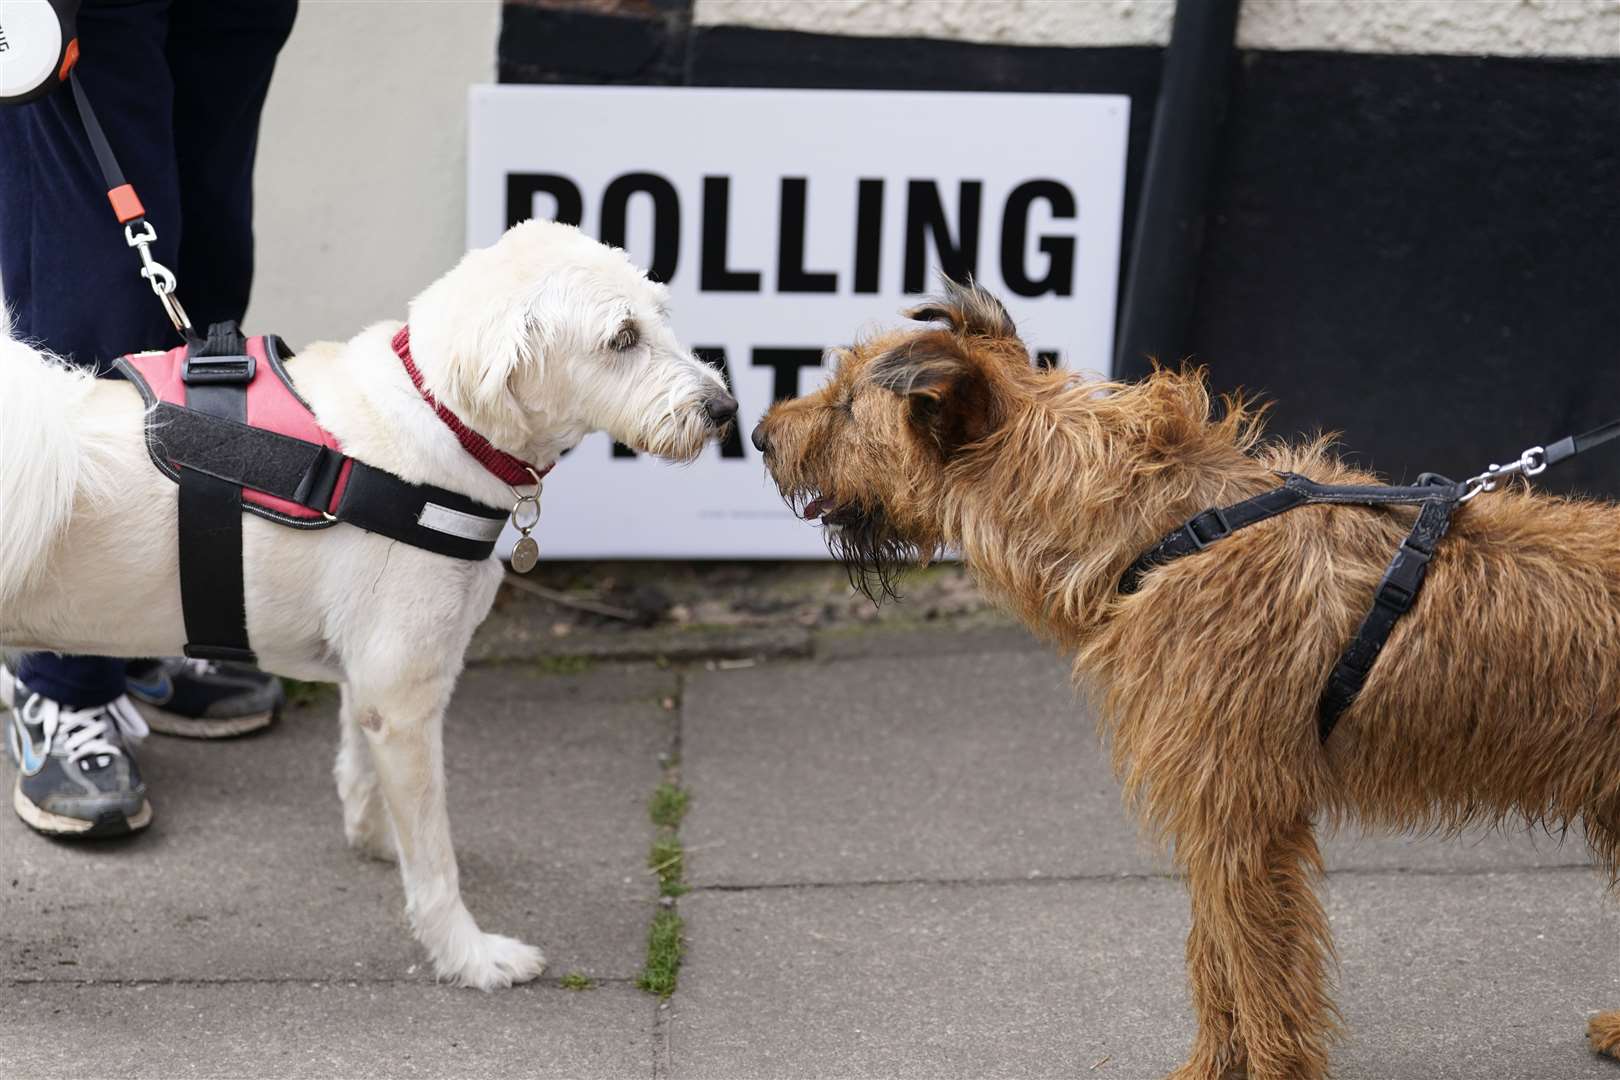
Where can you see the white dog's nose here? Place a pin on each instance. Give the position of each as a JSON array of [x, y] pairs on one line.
[[720, 409]]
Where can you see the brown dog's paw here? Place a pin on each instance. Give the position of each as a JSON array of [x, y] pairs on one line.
[[1195, 1071], [1604, 1033]]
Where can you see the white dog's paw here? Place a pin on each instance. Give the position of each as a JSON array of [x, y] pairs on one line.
[[493, 962]]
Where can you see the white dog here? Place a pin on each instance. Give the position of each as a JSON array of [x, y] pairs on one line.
[[533, 343]]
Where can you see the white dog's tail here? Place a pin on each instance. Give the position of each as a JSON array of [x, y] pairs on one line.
[[40, 456]]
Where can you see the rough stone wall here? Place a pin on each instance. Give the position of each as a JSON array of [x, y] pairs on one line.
[[1467, 27]]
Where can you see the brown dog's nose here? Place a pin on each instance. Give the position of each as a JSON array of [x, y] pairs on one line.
[[761, 443], [720, 409]]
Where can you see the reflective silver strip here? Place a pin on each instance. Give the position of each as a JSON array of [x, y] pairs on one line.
[[467, 526]]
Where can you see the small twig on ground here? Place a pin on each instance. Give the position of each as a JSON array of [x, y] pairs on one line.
[[596, 607], [1099, 1063]]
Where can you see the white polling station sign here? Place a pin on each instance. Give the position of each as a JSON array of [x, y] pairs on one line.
[[786, 222]]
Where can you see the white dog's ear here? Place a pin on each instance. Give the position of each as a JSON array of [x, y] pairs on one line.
[[488, 356]]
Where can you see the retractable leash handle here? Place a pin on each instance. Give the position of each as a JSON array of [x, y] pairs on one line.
[[39, 45]]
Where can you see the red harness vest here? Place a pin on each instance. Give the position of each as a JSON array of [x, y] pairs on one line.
[[226, 424], [272, 405]]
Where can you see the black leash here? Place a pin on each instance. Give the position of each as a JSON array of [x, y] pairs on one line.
[[138, 232], [1536, 460], [1403, 578]]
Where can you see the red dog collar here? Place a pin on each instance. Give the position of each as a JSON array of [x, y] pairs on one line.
[[515, 471]]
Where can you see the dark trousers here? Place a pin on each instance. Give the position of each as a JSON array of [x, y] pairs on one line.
[[178, 87]]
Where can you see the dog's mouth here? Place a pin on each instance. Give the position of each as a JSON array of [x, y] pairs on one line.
[[828, 512], [861, 536]]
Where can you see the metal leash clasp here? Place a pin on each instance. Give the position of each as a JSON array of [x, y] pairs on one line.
[[159, 276], [1532, 462]]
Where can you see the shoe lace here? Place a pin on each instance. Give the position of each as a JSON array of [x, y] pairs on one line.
[[202, 668], [84, 731]]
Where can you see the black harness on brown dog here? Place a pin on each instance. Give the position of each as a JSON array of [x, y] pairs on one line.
[[1402, 580], [1438, 499]]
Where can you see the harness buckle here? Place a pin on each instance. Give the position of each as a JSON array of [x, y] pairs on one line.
[[217, 370], [1218, 527], [1399, 586]]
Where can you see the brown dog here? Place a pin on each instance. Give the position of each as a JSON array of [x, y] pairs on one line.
[[1496, 698]]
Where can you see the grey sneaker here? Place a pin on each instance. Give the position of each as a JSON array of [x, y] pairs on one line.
[[201, 699], [76, 776]]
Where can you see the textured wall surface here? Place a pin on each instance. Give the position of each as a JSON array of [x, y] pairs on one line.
[[1003, 22], [1490, 27], [361, 182]]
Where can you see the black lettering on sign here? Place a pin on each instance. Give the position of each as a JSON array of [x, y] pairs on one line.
[[666, 207], [787, 363], [731, 446], [925, 217], [521, 188], [1059, 277], [717, 277], [868, 234], [791, 276]]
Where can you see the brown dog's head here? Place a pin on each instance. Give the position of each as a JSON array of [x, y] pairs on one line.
[[868, 454]]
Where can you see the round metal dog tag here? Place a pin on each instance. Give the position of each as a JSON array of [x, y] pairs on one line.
[[525, 555]]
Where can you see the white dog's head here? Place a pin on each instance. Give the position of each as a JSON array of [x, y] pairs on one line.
[[549, 335]]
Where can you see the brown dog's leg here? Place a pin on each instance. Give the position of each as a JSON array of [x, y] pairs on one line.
[[1215, 1052], [1258, 956], [1604, 1033]]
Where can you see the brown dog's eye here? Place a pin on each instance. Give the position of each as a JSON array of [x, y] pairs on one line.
[[627, 338]]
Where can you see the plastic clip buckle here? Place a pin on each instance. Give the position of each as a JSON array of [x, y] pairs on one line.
[[1399, 586], [215, 370]]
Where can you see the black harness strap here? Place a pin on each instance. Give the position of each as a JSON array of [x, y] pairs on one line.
[[1216, 523], [212, 599], [421, 515], [1394, 597], [1202, 530]]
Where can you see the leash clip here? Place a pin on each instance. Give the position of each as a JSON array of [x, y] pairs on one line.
[[159, 276], [1532, 462]]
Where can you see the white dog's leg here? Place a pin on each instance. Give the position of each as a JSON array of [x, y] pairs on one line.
[[366, 823], [404, 727]]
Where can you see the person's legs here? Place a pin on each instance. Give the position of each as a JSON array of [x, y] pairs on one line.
[[220, 54], [216, 122], [73, 285]]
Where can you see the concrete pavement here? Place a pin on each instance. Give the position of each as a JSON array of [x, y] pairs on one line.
[[907, 856]]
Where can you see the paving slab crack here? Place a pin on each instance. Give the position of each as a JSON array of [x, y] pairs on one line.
[[551, 983], [1072, 879], [668, 860]]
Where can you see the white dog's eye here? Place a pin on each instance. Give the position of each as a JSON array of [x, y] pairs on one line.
[[627, 338]]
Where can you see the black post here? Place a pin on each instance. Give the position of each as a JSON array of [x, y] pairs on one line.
[[1155, 320]]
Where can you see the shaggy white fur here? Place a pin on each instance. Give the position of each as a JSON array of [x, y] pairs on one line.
[[534, 342]]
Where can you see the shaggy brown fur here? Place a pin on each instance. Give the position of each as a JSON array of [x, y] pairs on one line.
[[1496, 699]]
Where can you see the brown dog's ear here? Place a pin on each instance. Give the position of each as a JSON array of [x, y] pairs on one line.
[[949, 396], [968, 309]]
